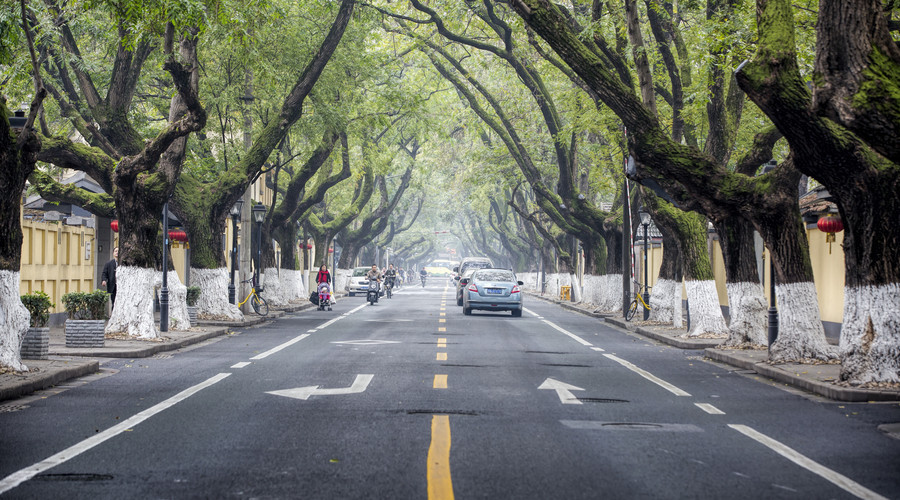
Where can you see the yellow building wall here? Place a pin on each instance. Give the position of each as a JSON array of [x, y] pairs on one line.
[[57, 259], [718, 267]]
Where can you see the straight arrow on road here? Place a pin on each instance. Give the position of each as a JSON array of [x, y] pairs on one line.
[[359, 385], [563, 390]]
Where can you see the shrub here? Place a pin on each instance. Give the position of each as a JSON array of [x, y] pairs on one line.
[[82, 305], [193, 295], [38, 304]]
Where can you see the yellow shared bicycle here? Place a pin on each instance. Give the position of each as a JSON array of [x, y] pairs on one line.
[[638, 299], [258, 303]]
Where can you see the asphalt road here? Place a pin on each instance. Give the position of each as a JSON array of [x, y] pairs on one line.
[[411, 399]]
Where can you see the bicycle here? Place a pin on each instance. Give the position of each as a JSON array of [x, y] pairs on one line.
[[259, 304], [638, 299]]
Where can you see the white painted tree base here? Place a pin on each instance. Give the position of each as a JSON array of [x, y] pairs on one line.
[[178, 314], [800, 331], [749, 321], [292, 285], [608, 293], [706, 313], [870, 335], [273, 288], [133, 313], [662, 301], [213, 303], [14, 320]]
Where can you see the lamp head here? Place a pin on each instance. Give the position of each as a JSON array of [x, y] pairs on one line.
[[236, 208], [259, 213], [645, 216]]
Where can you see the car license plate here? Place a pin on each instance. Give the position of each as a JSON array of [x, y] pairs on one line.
[[494, 291]]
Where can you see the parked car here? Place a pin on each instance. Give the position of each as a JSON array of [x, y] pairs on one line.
[[358, 282], [460, 287], [474, 263], [492, 290]]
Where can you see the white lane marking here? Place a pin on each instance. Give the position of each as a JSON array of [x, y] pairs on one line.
[[598, 349], [329, 322], [360, 384], [241, 364], [649, 376], [280, 347], [835, 478], [312, 331], [708, 408], [529, 311], [71, 452], [570, 334], [351, 311], [563, 391]]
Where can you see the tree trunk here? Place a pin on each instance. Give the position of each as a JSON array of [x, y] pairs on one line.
[[746, 298]]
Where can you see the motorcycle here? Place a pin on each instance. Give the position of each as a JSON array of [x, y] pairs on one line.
[[388, 285], [423, 280], [372, 293]]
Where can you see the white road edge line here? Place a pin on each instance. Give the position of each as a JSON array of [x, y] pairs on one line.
[[529, 311], [708, 408], [280, 347], [570, 334], [649, 376], [837, 479], [241, 364], [17, 478]]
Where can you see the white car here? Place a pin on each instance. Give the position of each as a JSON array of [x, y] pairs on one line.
[[358, 283]]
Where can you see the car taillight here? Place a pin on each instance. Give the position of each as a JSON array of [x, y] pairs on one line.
[[515, 289], [473, 288]]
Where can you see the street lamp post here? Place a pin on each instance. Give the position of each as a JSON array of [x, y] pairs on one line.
[[773, 310], [235, 216], [164, 292], [645, 221], [259, 216]]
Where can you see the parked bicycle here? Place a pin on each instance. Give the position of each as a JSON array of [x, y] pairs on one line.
[[259, 304], [638, 299]]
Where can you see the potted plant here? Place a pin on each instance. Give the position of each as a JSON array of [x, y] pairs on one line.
[[193, 295], [36, 344], [86, 318]]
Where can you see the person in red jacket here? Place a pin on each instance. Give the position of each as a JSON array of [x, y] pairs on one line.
[[323, 275]]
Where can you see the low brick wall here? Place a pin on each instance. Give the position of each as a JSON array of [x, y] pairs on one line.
[[36, 344], [85, 333]]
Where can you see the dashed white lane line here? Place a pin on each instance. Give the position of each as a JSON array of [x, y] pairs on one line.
[[598, 349], [529, 311], [71, 452], [332, 321], [280, 347], [570, 334], [649, 376], [837, 479], [241, 364], [708, 408]]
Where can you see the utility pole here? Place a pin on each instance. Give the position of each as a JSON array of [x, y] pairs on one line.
[[246, 221]]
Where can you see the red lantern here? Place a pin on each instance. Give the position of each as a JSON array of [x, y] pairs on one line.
[[331, 250], [114, 225], [830, 225], [178, 236]]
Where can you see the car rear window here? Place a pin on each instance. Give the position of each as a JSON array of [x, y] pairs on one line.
[[494, 275], [360, 271]]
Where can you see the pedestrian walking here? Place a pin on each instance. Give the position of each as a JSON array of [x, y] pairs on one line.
[[108, 277]]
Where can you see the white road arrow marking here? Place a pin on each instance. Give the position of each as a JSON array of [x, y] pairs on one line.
[[563, 390], [359, 385]]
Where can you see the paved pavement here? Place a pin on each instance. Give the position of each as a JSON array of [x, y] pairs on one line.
[[66, 363], [815, 378]]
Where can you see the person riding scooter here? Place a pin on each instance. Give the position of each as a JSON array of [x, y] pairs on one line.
[[390, 279], [374, 275]]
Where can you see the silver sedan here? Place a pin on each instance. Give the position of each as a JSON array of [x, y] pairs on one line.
[[492, 290]]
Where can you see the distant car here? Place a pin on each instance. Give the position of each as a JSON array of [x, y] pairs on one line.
[[358, 282], [438, 271], [492, 290], [460, 287], [474, 263]]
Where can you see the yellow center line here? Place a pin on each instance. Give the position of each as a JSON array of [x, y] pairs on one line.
[[440, 482], [442, 320], [443, 309], [442, 328], [441, 356], [440, 382], [443, 314]]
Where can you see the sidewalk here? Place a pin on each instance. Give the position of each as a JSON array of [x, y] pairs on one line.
[[817, 379], [66, 363]]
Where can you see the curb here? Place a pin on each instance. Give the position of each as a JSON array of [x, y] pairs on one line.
[[43, 380], [150, 350], [830, 391]]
